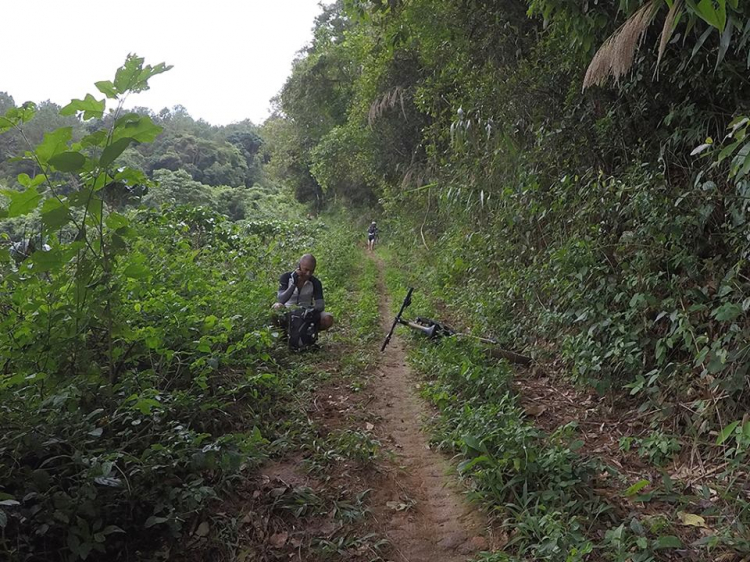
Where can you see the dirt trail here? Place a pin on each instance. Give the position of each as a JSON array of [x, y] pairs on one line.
[[420, 508]]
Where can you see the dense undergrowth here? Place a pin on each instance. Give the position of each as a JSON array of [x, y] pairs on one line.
[[554, 501], [93, 470], [600, 228], [142, 380]]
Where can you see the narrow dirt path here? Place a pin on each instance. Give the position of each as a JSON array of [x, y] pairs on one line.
[[418, 505]]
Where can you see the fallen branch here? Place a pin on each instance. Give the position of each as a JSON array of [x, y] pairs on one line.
[[511, 356]]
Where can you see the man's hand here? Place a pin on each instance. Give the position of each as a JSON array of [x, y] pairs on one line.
[[277, 306], [300, 278]]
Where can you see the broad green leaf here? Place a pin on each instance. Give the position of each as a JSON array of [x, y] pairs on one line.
[[474, 444], [727, 151], [53, 143], [113, 151], [17, 115], [80, 198], [27, 181], [637, 386], [55, 214], [68, 161], [667, 541], [471, 463], [116, 220], [745, 169], [90, 106], [701, 357], [706, 11], [99, 138], [637, 527], [718, 362], [722, 14], [126, 76], [727, 312], [153, 341], [52, 259], [107, 88], [737, 122], [133, 76], [137, 127], [149, 72], [145, 405], [94, 209], [575, 445], [726, 432], [22, 202], [739, 160]]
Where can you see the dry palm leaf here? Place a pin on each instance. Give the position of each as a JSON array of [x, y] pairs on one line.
[[615, 57], [667, 30], [385, 102]]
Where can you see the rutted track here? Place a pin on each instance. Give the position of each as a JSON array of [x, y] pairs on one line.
[[419, 505]]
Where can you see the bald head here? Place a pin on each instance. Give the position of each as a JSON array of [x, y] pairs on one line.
[[307, 265]]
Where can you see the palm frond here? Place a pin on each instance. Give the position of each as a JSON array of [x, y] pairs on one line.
[[615, 57], [668, 30]]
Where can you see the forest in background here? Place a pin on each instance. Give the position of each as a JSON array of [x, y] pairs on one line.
[[191, 163], [602, 230], [606, 225]]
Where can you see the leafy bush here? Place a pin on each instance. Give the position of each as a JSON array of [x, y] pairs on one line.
[[137, 377]]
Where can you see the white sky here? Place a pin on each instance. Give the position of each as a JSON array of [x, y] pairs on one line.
[[229, 56]]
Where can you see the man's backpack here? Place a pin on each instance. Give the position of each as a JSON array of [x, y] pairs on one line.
[[302, 326]]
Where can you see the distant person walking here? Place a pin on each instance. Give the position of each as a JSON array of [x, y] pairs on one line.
[[372, 235]]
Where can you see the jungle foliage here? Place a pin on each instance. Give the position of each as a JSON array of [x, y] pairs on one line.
[[570, 177], [607, 225], [190, 162], [141, 384]]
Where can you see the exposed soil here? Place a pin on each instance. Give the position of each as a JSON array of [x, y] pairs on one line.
[[414, 500], [418, 505]]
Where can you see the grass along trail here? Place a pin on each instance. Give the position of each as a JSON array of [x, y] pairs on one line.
[[420, 508]]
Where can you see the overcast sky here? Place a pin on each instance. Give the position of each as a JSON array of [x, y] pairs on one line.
[[230, 56]]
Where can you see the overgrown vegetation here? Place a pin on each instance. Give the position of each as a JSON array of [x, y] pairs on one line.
[[603, 231], [568, 177], [141, 383]]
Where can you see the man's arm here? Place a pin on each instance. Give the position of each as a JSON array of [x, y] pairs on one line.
[[318, 302], [286, 289]]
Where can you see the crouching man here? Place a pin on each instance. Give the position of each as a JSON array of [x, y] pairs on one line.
[[301, 288]]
